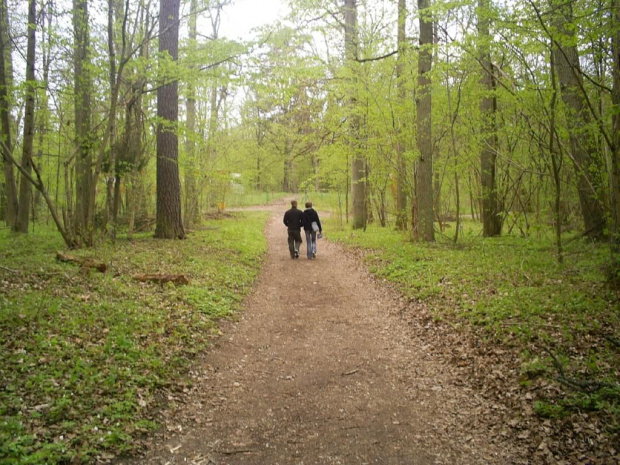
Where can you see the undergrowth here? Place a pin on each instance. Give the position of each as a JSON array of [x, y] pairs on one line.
[[84, 353], [564, 320]]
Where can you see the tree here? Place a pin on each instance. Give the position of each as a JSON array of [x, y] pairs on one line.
[[424, 171], [615, 155], [191, 191], [169, 223], [6, 145], [84, 200], [401, 175], [358, 166], [586, 159], [491, 220], [25, 189]]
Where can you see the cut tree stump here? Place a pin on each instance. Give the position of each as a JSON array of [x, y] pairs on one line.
[[178, 279], [86, 263]]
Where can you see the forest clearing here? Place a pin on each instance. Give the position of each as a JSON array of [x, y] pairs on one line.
[[464, 158]]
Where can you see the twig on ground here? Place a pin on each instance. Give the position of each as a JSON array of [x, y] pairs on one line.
[[588, 387], [9, 269], [233, 452]]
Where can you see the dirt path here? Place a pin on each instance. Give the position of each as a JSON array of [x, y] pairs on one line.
[[320, 370]]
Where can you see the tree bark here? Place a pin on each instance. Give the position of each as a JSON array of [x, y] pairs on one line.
[[587, 161], [84, 207], [358, 170], [615, 155], [5, 116], [401, 175], [556, 162], [191, 194], [424, 229], [169, 223], [43, 113], [491, 220], [25, 189], [113, 176]]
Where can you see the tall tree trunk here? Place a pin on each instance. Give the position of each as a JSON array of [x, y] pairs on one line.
[[424, 173], [615, 155], [556, 162], [25, 188], [401, 175], [112, 176], [587, 161], [6, 144], [491, 220], [84, 208], [191, 194], [358, 170], [43, 113], [169, 223]]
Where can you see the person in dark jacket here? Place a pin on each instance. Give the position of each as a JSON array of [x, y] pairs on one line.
[[311, 227], [294, 220]]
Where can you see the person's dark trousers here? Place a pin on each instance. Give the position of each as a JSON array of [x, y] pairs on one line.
[[294, 242]]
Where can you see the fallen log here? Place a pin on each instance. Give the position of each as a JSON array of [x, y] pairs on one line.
[[178, 279], [86, 263]]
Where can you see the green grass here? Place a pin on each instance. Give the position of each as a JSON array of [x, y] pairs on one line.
[[250, 198], [84, 353], [321, 200], [512, 291]]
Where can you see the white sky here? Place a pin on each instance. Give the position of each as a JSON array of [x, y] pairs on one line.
[[240, 18]]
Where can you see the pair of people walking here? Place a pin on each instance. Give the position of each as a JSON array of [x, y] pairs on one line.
[[308, 220]]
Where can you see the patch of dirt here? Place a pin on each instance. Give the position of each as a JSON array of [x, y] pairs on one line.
[[322, 368]]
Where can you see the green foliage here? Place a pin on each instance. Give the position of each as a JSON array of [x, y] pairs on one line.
[[549, 410], [84, 353]]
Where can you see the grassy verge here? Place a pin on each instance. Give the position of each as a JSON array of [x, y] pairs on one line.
[[84, 353], [513, 292]]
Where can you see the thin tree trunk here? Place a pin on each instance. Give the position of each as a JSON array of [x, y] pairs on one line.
[[5, 116], [615, 152], [401, 175], [424, 173], [190, 144], [25, 188], [44, 110], [555, 163], [169, 223], [453, 117], [491, 220], [113, 174]]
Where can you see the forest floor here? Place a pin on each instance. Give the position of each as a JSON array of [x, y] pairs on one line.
[[325, 365]]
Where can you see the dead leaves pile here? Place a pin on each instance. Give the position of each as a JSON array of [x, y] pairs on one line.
[[494, 372]]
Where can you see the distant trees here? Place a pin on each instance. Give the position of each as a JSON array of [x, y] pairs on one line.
[[402, 108]]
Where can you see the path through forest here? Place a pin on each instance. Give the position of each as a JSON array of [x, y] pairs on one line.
[[320, 369]]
